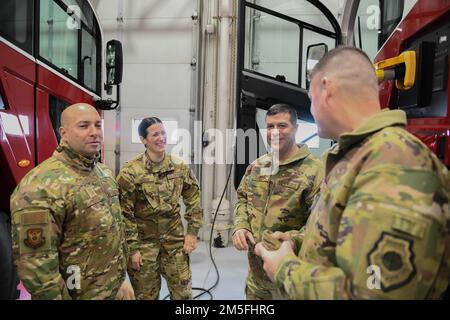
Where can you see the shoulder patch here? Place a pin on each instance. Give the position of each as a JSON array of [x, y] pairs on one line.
[[35, 232], [34, 238], [35, 217], [395, 258]]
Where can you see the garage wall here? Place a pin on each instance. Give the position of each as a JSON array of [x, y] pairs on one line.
[[158, 39]]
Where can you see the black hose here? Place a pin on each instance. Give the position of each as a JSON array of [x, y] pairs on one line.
[[208, 291]]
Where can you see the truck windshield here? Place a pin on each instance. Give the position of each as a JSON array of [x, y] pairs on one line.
[[69, 40]]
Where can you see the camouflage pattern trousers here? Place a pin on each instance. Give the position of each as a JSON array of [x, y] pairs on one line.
[[172, 264]]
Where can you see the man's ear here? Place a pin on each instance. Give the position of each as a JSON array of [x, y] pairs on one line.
[[328, 86], [62, 133]]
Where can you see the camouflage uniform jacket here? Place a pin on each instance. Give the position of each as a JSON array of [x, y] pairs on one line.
[[277, 202], [379, 229], [67, 226], [150, 194]]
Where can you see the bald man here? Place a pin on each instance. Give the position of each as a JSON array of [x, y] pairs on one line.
[[67, 228], [380, 228]]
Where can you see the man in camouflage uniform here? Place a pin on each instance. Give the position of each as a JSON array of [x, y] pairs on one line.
[[151, 186], [275, 196], [380, 227], [67, 229]]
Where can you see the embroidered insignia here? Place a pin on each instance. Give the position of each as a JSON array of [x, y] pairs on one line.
[[395, 258], [35, 238]]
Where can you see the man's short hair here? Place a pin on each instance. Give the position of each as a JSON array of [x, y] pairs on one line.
[[324, 62], [283, 108], [145, 123]]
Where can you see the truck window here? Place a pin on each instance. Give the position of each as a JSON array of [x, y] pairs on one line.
[[375, 21], [2, 104], [56, 107], [16, 19], [391, 15], [69, 40], [272, 46], [277, 36]]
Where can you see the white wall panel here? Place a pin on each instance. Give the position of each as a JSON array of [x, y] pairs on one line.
[[108, 129], [156, 86], [109, 159], [159, 9], [144, 9], [158, 41]]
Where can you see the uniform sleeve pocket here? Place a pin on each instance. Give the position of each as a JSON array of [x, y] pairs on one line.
[[35, 232]]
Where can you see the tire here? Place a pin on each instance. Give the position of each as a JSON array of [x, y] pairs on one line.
[[8, 275]]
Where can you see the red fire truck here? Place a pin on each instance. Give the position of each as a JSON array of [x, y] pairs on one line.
[[51, 56], [424, 31]]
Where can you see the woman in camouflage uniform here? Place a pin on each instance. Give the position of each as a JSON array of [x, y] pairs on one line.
[[151, 186]]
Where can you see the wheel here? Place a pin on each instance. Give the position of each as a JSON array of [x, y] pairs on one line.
[[8, 275]]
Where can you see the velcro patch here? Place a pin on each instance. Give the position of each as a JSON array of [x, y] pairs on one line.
[[35, 217], [407, 225], [395, 258]]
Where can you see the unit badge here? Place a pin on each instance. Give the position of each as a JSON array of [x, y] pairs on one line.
[[35, 238], [394, 256]]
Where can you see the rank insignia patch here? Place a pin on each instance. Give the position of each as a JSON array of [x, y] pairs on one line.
[[394, 256], [35, 238]]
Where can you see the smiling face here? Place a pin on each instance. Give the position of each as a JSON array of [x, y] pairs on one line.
[[81, 129], [280, 132], [156, 139]]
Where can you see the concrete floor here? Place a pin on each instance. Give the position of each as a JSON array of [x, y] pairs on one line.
[[232, 265]]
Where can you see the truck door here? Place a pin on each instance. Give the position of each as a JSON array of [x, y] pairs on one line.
[[68, 53], [275, 40]]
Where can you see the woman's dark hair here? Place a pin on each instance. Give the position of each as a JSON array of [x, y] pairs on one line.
[[147, 122]]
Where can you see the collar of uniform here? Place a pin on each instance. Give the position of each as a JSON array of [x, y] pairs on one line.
[[163, 166], [302, 153], [67, 154], [383, 119]]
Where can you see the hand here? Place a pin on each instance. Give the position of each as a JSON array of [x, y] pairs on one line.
[[272, 259], [240, 239], [283, 236], [135, 261], [190, 243], [125, 292]]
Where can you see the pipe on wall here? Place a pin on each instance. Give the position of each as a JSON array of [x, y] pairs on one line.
[[223, 98]]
